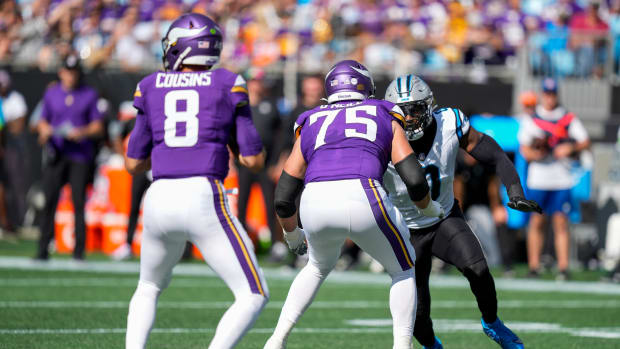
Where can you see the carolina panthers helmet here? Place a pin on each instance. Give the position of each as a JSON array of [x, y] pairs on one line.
[[415, 98], [192, 39], [348, 80]]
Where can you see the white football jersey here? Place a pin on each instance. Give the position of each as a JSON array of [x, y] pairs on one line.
[[439, 165]]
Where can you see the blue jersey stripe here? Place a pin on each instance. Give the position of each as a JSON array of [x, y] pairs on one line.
[[459, 123]]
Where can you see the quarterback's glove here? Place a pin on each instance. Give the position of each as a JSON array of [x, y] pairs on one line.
[[296, 241], [521, 204], [433, 209]]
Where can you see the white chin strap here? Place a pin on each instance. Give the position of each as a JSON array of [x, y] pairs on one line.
[[345, 96]]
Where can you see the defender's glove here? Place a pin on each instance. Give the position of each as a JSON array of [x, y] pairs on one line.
[[521, 204], [296, 241], [433, 209]]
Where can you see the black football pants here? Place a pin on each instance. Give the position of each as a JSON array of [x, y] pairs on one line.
[[55, 175], [452, 241]]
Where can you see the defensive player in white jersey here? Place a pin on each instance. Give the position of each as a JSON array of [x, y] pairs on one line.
[[187, 116], [436, 136]]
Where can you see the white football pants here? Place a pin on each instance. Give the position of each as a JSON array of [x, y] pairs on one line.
[[195, 209], [333, 211]]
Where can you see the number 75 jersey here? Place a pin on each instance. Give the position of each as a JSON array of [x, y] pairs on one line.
[[186, 120], [439, 165], [347, 140]]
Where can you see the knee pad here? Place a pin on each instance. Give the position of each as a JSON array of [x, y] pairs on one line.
[[477, 269]]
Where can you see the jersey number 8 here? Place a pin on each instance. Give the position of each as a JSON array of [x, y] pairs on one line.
[[187, 116]]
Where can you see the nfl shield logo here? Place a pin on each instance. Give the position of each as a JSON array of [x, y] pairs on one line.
[[203, 44]]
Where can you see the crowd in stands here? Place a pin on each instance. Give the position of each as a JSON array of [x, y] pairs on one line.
[[568, 37]]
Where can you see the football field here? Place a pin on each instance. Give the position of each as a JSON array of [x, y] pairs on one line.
[[63, 304]]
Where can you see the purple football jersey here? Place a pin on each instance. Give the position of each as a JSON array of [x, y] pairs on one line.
[[347, 140], [186, 119]]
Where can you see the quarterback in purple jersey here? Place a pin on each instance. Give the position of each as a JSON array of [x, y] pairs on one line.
[[188, 118], [341, 152]]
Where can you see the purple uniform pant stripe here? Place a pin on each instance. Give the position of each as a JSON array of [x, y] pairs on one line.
[[234, 242], [392, 235]]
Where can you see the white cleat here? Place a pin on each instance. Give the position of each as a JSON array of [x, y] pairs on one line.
[[122, 253], [273, 343]]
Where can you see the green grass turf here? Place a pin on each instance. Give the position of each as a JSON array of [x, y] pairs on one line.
[[35, 286]]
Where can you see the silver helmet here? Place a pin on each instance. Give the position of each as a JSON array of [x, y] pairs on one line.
[[415, 98]]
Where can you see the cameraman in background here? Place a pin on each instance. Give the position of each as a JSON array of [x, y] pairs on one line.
[[550, 140]]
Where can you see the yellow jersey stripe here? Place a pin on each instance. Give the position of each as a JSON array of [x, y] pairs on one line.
[[234, 229], [398, 237], [239, 89]]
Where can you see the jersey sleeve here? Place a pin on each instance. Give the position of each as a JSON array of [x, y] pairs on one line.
[[299, 123], [45, 107], [94, 113], [141, 138], [245, 135], [577, 131], [395, 112], [461, 123], [239, 92], [138, 98]]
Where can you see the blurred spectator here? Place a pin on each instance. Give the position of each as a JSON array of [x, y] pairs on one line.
[[396, 35], [15, 154], [311, 94], [614, 26], [70, 120], [588, 37], [550, 140], [268, 122]]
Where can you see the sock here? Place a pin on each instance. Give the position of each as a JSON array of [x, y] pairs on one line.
[[141, 315], [300, 296], [483, 288], [237, 320], [403, 302]]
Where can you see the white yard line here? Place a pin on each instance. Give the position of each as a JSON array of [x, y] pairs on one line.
[[373, 326], [332, 304], [335, 277]]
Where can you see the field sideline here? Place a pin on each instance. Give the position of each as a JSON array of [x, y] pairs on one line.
[[63, 304]]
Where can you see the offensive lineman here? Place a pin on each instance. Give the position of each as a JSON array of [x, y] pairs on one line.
[[341, 152], [436, 136], [186, 117]]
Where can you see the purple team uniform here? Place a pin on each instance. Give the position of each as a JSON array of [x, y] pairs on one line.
[[185, 122], [64, 110], [347, 146], [218, 97]]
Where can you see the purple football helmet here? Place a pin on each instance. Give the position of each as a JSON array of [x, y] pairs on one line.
[[348, 80], [192, 39]]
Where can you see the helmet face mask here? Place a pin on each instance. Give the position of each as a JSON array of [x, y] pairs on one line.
[[420, 113], [416, 100]]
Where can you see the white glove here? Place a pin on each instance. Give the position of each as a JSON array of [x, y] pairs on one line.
[[296, 241], [433, 209]]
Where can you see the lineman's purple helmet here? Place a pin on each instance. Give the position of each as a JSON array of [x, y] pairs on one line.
[[348, 80], [192, 39]]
